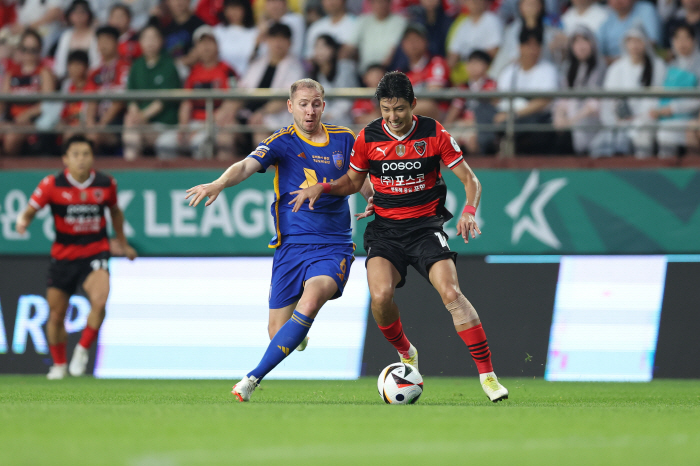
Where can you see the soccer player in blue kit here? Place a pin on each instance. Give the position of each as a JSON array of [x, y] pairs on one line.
[[314, 250]]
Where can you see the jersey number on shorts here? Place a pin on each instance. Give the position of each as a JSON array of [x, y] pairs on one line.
[[98, 264], [443, 241]]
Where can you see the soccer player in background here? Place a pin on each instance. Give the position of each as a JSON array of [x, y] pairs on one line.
[[313, 248], [402, 153], [78, 197]]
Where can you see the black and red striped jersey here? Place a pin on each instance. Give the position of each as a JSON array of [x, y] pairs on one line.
[[78, 211], [405, 171]]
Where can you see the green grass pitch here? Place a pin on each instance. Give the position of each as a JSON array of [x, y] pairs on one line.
[[164, 422]]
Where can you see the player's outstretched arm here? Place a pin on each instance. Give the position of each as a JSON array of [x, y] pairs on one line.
[[233, 175], [24, 219], [367, 192], [466, 224], [118, 225], [350, 183]]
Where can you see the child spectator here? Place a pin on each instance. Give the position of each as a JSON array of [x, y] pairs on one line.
[[154, 70], [465, 113], [79, 36], [29, 76], [208, 73], [73, 113], [110, 77]]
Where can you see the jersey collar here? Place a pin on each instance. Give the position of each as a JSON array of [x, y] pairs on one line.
[[401, 138], [310, 142], [82, 185]]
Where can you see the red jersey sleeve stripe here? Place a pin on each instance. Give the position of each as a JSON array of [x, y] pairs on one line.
[[34, 204], [357, 169], [455, 162]]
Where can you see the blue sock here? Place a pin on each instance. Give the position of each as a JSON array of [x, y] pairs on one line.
[[283, 343]]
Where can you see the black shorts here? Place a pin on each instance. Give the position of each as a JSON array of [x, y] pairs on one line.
[[408, 244], [69, 275]]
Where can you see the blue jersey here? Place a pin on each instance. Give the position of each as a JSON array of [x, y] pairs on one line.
[[300, 163]]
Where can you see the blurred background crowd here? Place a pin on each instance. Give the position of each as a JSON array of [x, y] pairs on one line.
[[476, 45]]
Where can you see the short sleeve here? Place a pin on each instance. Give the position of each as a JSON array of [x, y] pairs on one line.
[[42, 194], [268, 152], [111, 198], [450, 153], [358, 157]]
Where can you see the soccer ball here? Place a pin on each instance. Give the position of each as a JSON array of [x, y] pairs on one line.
[[400, 384]]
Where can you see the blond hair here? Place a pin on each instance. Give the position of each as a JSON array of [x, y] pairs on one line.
[[306, 83]]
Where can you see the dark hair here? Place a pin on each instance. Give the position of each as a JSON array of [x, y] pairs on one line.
[[80, 56], [76, 139], [151, 25], [280, 30], [30, 32], [123, 7], [333, 44], [395, 85], [480, 55], [686, 27], [108, 31], [527, 34], [415, 28], [76, 4], [648, 71], [248, 17], [574, 63]]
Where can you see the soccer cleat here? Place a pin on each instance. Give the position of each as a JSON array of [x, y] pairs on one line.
[[493, 389], [243, 389], [79, 361], [303, 344], [413, 357], [57, 372]]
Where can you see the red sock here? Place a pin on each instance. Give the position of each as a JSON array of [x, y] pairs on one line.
[[58, 353], [394, 335], [475, 339], [88, 337]]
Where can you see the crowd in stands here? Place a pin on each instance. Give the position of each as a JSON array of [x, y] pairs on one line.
[[79, 46]]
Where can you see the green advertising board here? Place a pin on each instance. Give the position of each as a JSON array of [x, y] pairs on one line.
[[521, 212]]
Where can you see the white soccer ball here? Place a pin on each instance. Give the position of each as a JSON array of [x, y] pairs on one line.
[[400, 384]]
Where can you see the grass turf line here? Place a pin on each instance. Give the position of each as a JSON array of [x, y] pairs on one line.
[[175, 422]]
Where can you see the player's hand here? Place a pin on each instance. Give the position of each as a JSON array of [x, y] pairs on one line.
[[369, 210], [198, 193], [311, 193], [22, 224], [130, 252], [466, 225]]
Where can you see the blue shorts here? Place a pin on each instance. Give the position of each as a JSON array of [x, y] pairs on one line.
[[296, 263]]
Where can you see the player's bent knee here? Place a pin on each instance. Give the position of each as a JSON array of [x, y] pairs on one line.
[[382, 296], [450, 295], [462, 310]]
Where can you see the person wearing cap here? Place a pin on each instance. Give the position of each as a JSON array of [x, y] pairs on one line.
[[79, 36], [279, 69], [209, 72], [625, 14]]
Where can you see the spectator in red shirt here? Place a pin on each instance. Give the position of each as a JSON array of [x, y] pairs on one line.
[[110, 76], [120, 19], [209, 72], [426, 72], [29, 76], [366, 110], [465, 113], [73, 113]]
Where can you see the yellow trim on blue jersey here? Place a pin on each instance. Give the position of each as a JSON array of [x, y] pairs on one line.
[[311, 143], [276, 184], [299, 321], [278, 133], [340, 129]]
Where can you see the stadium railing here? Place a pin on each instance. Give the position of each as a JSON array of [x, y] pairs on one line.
[[508, 129]]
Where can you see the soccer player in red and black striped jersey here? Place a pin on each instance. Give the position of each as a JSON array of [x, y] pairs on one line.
[[402, 153], [78, 197]]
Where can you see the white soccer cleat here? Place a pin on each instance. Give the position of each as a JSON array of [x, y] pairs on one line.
[[243, 389], [413, 357], [493, 389], [57, 372], [302, 346], [79, 361]]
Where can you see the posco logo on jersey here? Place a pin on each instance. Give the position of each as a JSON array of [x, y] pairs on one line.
[[401, 166]]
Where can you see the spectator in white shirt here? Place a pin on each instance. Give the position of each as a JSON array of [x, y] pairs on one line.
[[588, 13], [481, 30], [80, 36], [529, 73], [376, 37], [277, 11], [237, 35], [338, 23]]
